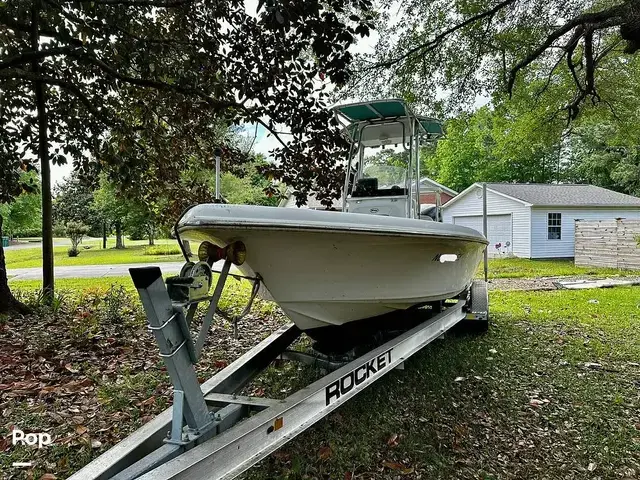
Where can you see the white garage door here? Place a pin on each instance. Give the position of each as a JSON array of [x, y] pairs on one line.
[[499, 230]]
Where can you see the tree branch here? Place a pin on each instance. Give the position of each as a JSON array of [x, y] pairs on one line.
[[148, 83], [571, 48], [548, 82], [431, 44], [605, 18], [27, 57], [144, 3], [71, 88], [44, 30]]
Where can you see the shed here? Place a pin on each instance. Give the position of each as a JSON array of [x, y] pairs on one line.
[[537, 220]]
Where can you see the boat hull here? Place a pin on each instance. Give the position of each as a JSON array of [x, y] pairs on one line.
[[331, 273]]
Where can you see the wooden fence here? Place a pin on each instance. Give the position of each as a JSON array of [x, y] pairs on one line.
[[608, 243]]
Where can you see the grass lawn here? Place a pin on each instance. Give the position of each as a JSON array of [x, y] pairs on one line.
[[74, 284], [519, 402], [552, 391], [527, 268], [136, 253]]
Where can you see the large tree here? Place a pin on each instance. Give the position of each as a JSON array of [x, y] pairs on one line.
[[72, 72], [446, 53]]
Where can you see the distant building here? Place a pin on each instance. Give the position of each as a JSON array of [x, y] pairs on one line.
[[428, 189], [536, 220]]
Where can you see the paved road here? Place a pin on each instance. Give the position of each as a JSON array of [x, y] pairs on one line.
[[90, 271], [57, 242], [97, 271]]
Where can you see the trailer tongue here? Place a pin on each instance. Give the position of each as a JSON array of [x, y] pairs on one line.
[[211, 432]]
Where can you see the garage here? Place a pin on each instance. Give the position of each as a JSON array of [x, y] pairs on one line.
[[498, 227]]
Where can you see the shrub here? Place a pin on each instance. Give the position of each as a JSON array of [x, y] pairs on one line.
[[28, 232], [162, 250], [59, 230], [75, 232]]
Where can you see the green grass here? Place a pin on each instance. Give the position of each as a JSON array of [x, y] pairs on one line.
[[486, 426], [32, 257], [233, 300], [527, 268], [74, 284]]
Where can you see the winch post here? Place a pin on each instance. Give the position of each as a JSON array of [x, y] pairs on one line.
[[164, 322]]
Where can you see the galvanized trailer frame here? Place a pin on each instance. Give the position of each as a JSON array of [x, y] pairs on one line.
[[213, 433]]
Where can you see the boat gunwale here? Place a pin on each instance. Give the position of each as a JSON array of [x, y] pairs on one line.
[[334, 229]]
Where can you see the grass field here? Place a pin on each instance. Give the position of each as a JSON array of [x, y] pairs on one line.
[[527, 268], [74, 284], [551, 392], [133, 253]]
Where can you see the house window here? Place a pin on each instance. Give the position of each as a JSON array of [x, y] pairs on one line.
[[554, 226]]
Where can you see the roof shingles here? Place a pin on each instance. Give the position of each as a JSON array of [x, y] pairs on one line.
[[564, 195]]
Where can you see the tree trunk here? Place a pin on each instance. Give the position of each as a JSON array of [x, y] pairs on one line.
[[8, 302], [151, 235], [104, 235], [119, 240], [43, 155]]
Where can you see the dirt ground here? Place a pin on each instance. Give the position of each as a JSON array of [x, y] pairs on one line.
[[540, 283]]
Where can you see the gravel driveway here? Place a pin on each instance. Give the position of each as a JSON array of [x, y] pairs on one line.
[[542, 283]]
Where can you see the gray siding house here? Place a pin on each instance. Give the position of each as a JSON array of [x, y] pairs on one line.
[[536, 220]]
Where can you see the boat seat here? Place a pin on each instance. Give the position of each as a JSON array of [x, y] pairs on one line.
[[365, 187], [368, 187]]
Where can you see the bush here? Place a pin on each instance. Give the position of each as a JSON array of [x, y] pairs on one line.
[[162, 250], [75, 232], [59, 230], [28, 232], [138, 232]]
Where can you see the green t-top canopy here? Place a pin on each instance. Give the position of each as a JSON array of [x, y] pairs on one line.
[[432, 126], [375, 110], [385, 110]]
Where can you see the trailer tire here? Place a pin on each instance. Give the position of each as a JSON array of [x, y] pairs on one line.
[[477, 308]]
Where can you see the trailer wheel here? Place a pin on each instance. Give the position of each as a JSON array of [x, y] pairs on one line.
[[477, 319]]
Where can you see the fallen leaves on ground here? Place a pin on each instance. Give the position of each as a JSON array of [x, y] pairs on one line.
[[398, 467], [324, 453], [89, 381]]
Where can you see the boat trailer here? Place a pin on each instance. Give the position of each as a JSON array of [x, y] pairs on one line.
[[212, 432]]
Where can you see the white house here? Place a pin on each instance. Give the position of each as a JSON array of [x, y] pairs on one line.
[[536, 220]]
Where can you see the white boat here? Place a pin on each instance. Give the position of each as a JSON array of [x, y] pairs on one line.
[[330, 269]]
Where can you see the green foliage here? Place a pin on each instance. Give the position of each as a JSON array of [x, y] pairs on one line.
[[601, 156], [244, 191], [162, 250], [142, 86], [508, 143], [23, 216], [73, 202], [75, 231], [446, 55]]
